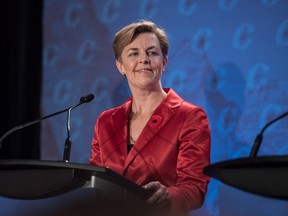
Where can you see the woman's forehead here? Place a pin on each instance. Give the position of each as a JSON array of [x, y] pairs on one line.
[[147, 40]]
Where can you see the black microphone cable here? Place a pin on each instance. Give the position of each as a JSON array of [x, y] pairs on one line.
[[84, 99], [259, 137]]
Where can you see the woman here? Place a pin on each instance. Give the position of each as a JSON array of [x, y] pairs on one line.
[[155, 139]]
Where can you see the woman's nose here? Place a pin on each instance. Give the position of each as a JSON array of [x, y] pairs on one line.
[[144, 58]]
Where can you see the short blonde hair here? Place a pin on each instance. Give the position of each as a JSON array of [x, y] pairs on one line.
[[128, 33]]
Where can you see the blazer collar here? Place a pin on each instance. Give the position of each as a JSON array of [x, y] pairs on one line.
[[121, 115]]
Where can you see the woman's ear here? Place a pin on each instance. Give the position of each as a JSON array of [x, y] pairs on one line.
[[119, 66], [165, 62]]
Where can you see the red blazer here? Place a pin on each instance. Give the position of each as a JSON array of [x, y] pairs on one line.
[[173, 149]]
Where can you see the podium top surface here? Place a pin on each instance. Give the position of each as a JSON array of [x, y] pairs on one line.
[[10, 164], [40, 178], [267, 176]]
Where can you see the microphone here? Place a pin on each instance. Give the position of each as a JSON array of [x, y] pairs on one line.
[[84, 99], [87, 98], [259, 137]]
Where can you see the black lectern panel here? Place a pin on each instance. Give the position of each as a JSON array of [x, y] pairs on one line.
[[78, 202], [267, 176], [51, 188]]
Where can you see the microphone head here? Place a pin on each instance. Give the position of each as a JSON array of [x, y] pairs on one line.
[[87, 98]]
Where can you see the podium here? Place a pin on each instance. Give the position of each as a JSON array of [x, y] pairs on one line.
[[266, 175], [70, 189]]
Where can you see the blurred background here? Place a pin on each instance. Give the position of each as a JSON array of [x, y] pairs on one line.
[[228, 56]]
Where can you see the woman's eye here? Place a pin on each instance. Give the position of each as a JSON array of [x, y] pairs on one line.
[[133, 54], [152, 53]]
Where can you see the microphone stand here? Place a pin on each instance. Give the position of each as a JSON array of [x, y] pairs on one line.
[[68, 141]]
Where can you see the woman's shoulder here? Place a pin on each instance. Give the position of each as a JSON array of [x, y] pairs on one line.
[[109, 112], [174, 100]]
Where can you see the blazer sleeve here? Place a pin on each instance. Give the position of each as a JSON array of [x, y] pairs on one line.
[[95, 154], [194, 154]]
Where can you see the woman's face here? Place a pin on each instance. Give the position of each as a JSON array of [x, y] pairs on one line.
[[142, 62]]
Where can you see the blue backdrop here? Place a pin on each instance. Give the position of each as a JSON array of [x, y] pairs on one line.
[[228, 56]]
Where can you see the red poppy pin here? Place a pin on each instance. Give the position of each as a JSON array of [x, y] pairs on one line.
[[155, 120]]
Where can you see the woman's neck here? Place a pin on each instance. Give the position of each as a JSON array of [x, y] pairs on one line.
[[145, 102]]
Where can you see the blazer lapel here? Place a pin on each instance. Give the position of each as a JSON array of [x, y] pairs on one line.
[[120, 122], [158, 120]]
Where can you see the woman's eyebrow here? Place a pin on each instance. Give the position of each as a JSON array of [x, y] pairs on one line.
[[132, 49], [135, 49]]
